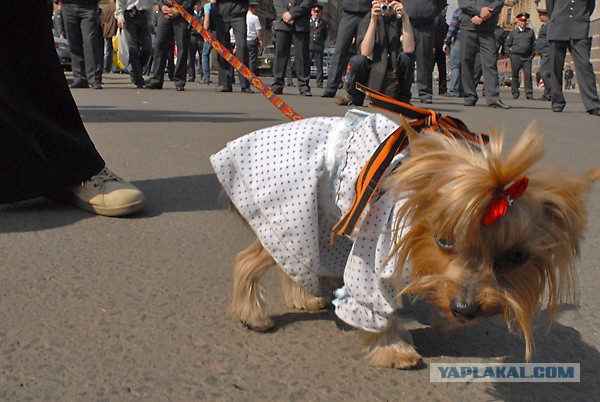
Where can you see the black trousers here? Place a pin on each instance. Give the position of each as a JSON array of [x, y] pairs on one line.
[[439, 58], [139, 42], [167, 31], [520, 62], [196, 46], [43, 143], [252, 54], [317, 56], [347, 30], [82, 28], [546, 74], [580, 52], [423, 56], [241, 50], [485, 43], [360, 70], [283, 42]]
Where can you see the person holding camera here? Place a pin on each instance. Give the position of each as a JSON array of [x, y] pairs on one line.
[[384, 60]]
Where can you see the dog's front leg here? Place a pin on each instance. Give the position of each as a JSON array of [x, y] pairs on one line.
[[393, 347]]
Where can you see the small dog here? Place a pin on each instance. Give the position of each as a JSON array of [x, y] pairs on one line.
[[482, 231]]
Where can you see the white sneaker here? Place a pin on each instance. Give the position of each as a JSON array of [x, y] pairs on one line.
[[107, 194]]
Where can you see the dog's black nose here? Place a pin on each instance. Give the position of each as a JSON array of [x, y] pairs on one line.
[[467, 309]]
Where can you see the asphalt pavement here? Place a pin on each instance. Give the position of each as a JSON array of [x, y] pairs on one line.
[[95, 308]]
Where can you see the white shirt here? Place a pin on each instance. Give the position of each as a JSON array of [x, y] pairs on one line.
[[123, 5], [253, 24]]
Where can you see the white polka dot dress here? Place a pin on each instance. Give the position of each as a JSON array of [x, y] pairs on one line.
[[293, 182]]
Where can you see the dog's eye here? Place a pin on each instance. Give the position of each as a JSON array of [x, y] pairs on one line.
[[512, 259], [445, 244]]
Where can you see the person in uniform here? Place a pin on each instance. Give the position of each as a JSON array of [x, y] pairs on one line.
[[318, 35], [542, 49], [253, 34], [386, 43], [353, 12], [422, 15], [477, 25], [570, 29], [231, 14], [171, 26], [520, 45], [196, 44], [293, 24]]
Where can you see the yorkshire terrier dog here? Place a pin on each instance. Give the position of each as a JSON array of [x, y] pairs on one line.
[[475, 230]]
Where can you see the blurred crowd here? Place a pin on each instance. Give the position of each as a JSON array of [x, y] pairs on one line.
[[384, 44]]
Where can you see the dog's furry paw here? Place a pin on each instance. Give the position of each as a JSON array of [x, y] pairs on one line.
[[263, 325], [399, 356]]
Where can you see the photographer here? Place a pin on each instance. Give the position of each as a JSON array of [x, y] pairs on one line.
[[384, 62]]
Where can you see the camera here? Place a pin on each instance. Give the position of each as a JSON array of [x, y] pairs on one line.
[[384, 8]]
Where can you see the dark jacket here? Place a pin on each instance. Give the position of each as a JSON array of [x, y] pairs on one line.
[[318, 34], [88, 3], [229, 10], [520, 42], [300, 11], [441, 29], [386, 49], [188, 5], [423, 12], [569, 19], [471, 8], [356, 6], [542, 47]]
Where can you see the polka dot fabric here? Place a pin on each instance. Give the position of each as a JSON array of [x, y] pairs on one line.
[[293, 182]]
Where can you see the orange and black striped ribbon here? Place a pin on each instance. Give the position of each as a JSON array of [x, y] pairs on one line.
[[237, 64], [371, 174]]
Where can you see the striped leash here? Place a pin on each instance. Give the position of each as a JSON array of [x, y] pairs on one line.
[[237, 64]]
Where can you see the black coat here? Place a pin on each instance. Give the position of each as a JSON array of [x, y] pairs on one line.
[[569, 19], [229, 10], [470, 8], [520, 42], [356, 6], [300, 10], [423, 12], [318, 34], [542, 47]]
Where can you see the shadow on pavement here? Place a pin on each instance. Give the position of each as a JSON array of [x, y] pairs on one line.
[[173, 194], [104, 114]]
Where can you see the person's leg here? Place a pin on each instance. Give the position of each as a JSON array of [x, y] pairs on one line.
[[360, 67], [580, 51], [489, 64], [225, 76], [108, 54], [528, 81], [191, 65], [90, 23], [253, 55], [424, 37], [241, 47], [469, 52], [545, 73], [182, 40], [206, 49], [455, 85], [515, 69], [164, 39], [72, 22], [405, 74], [558, 51], [302, 56], [440, 62], [337, 65], [133, 40], [318, 57], [283, 42], [145, 40]]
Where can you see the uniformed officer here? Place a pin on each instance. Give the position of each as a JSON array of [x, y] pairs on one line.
[[519, 46], [318, 35], [477, 24], [422, 14], [293, 24], [353, 12], [570, 29], [542, 49]]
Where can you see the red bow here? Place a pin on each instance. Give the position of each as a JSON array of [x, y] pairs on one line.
[[499, 205]]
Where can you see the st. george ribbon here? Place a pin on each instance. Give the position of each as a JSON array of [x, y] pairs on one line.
[[237, 64]]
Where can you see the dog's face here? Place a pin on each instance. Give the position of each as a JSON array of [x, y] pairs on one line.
[[470, 270]]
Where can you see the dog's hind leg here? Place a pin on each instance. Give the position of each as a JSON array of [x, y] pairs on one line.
[[393, 347], [247, 302], [295, 296]]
